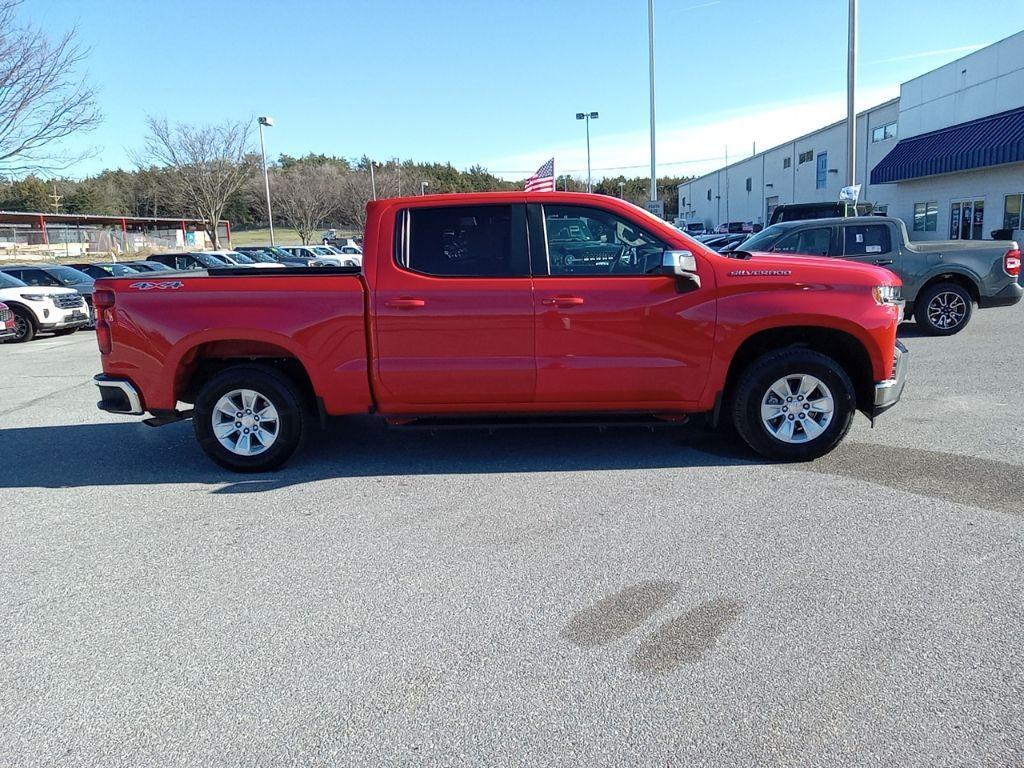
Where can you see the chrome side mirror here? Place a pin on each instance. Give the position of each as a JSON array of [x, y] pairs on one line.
[[681, 264]]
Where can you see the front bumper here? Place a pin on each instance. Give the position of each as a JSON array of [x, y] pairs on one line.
[[76, 319], [1007, 297], [118, 395], [888, 392]]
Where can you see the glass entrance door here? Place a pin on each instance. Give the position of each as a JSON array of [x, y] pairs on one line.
[[966, 220]]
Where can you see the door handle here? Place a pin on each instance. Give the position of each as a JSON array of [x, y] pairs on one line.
[[562, 301], [405, 303], [883, 262]]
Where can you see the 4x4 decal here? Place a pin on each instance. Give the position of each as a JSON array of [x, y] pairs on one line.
[[147, 285]]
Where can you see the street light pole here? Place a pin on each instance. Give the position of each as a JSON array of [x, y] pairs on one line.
[[650, 55], [851, 87], [622, 185], [269, 123], [588, 116], [373, 182], [423, 187]]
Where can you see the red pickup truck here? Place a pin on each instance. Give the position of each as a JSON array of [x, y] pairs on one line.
[[507, 305]]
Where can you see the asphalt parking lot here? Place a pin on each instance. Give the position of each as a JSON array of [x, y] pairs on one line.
[[531, 597]]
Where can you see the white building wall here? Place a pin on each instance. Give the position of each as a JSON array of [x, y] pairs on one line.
[[982, 83]]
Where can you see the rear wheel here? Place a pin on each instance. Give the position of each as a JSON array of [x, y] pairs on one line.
[[794, 404], [24, 326], [944, 309], [249, 418]]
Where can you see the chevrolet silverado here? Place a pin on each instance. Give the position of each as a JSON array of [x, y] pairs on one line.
[[499, 305]]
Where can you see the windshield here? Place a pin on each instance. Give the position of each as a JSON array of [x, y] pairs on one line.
[[281, 253], [763, 240], [209, 260], [321, 251], [69, 276], [6, 281], [261, 256], [119, 270], [239, 258]]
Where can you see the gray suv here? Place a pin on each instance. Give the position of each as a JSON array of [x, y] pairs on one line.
[[942, 279]]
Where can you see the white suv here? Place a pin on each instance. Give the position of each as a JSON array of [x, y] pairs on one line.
[[36, 308]]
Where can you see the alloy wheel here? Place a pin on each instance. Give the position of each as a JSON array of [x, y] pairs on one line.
[[245, 422], [947, 310], [797, 408]]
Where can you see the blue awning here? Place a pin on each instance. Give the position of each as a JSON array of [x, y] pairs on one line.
[[977, 144]]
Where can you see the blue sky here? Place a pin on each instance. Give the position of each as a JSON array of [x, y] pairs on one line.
[[498, 83]]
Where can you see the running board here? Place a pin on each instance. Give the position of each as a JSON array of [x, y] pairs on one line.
[[160, 418], [526, 421]]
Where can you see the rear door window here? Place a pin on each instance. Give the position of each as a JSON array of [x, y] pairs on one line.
[[866, 239], [807, 242], [465, 241]]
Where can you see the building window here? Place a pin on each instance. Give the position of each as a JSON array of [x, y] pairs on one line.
[[821, 177], [806, 157], [709, 194], [1011, 211], [926, 217], [682, 202], [786, 162], [883, 132], [749, 184]]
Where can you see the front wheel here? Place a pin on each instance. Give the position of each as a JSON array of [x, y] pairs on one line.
[[249, 418], [944, 309], [65, 331], [24, 326], [793, 404]]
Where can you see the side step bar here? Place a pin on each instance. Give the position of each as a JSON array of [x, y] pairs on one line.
[[600, 422]]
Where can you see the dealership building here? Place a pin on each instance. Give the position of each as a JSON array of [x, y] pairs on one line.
[[946, 156]]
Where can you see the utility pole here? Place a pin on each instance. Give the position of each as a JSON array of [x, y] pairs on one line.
[[851, 87], [56, 198], [650, 55], [373, 182]]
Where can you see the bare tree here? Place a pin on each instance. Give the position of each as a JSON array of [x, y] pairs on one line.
[[41, 100], [208, 164], [305, 197], [356, 192]]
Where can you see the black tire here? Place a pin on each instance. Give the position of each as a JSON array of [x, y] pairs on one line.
[[64, 331], [943, 292], [24, 326], [753, 387], [271, 384]]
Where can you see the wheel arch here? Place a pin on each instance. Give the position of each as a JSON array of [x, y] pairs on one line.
[[967, 280], [842, 346], [205, 360]]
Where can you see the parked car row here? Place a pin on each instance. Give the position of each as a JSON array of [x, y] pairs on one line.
[[57, 298]]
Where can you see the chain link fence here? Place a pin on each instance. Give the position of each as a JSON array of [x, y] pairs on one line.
[[56, 241]]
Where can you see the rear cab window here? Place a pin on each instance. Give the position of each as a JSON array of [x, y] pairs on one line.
[[866, 239], [463, 241]]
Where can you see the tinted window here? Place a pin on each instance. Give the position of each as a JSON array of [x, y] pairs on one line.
[[466, 241], [865, 240], [9, 281], [34, 277], [589, 241], [810, 242]]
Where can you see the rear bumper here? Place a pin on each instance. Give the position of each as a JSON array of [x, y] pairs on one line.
[[888, 392], [1007, 297], [118, 395]]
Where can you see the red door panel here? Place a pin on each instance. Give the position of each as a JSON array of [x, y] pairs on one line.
[[453, 311], [622, 341]]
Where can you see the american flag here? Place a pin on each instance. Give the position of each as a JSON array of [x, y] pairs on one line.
[[544, 179]]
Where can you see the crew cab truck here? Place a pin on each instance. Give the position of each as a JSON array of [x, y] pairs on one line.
[[479, 305], [942, 279]]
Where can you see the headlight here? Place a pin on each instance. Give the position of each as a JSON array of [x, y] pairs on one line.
[[887, 294], [35, 296]]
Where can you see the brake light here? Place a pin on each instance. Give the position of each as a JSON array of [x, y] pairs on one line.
[[103, 302], [1011, 262]]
